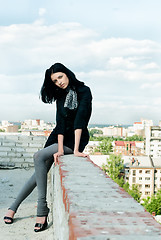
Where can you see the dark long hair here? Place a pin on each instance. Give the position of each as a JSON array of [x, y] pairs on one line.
[[49, 91]]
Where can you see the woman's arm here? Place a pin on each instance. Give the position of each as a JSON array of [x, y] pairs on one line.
[[60, 148], [60, 143], [82, 117], [84, 108], [78, 133]]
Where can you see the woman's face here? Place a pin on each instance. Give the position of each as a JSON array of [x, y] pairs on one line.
[[60, 79]]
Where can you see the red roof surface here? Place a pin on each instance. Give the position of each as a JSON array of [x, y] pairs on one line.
[[122, 143], [119, 143]]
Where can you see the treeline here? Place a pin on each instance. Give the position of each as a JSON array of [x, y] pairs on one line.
[[100, 138]]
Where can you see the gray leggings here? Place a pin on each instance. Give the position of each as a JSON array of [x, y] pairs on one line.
[[43, 160]]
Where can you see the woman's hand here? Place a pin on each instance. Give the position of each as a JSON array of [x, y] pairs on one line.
[[81, 154], [56, 156]]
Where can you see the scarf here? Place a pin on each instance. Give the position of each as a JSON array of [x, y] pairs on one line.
[[71, 100]]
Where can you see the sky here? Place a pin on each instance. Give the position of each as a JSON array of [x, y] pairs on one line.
[[113, 46]]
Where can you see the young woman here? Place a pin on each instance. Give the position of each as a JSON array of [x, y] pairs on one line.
[[73, 101]]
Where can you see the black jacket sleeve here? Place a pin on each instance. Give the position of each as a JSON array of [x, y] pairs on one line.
[[60, 118], [84, 108]]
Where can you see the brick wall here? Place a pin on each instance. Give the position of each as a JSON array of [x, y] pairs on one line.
[[18, 150]]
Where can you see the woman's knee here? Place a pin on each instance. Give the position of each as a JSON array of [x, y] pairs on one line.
[[42, 155], [37, 156]]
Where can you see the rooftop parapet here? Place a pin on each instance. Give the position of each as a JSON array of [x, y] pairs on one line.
[[90, 205]]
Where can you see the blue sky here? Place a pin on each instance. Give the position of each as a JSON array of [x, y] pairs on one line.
[[113, 46]]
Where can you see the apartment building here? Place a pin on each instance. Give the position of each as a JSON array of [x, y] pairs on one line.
[[113, 131], [153, 141], [8, 127], [128, 148], [145, 172], [138, 128]]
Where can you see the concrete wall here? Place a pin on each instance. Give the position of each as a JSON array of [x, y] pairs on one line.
[[18, 150], [89, 205]]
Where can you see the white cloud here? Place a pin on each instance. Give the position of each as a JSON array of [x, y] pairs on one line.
[[151, 85], [42, 12], [111, 67], [157, 101], [120, 62], [124, 47], [20, 83], [149, 66], [16, 107]]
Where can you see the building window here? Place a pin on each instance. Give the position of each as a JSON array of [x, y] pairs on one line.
[[147, 178], [140, 178], [147, 171], [140, 171], [133, 180], [134, 173], [140, 186], [147, 185], [147, 193]]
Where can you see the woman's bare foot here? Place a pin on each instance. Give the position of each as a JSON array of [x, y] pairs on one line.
[[10, 214]]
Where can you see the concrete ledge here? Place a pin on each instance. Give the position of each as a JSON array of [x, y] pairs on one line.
[[89, 205], [60, 213]]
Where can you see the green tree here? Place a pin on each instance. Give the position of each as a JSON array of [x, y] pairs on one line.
[[153, 204], [105, 147], [134, 138], [114, 166], [95, 131], [134, 192], [115, 169]]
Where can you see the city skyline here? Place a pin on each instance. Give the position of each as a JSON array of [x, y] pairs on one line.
[[90, 125], [114, 47]]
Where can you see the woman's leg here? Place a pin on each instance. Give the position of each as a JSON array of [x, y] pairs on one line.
[[28, 188], [31, 183], [41, 175]]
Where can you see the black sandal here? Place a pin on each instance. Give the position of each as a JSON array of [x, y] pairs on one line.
[[41, 226], [8, 218]]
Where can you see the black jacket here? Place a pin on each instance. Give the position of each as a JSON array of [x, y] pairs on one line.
[[69, 120]]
